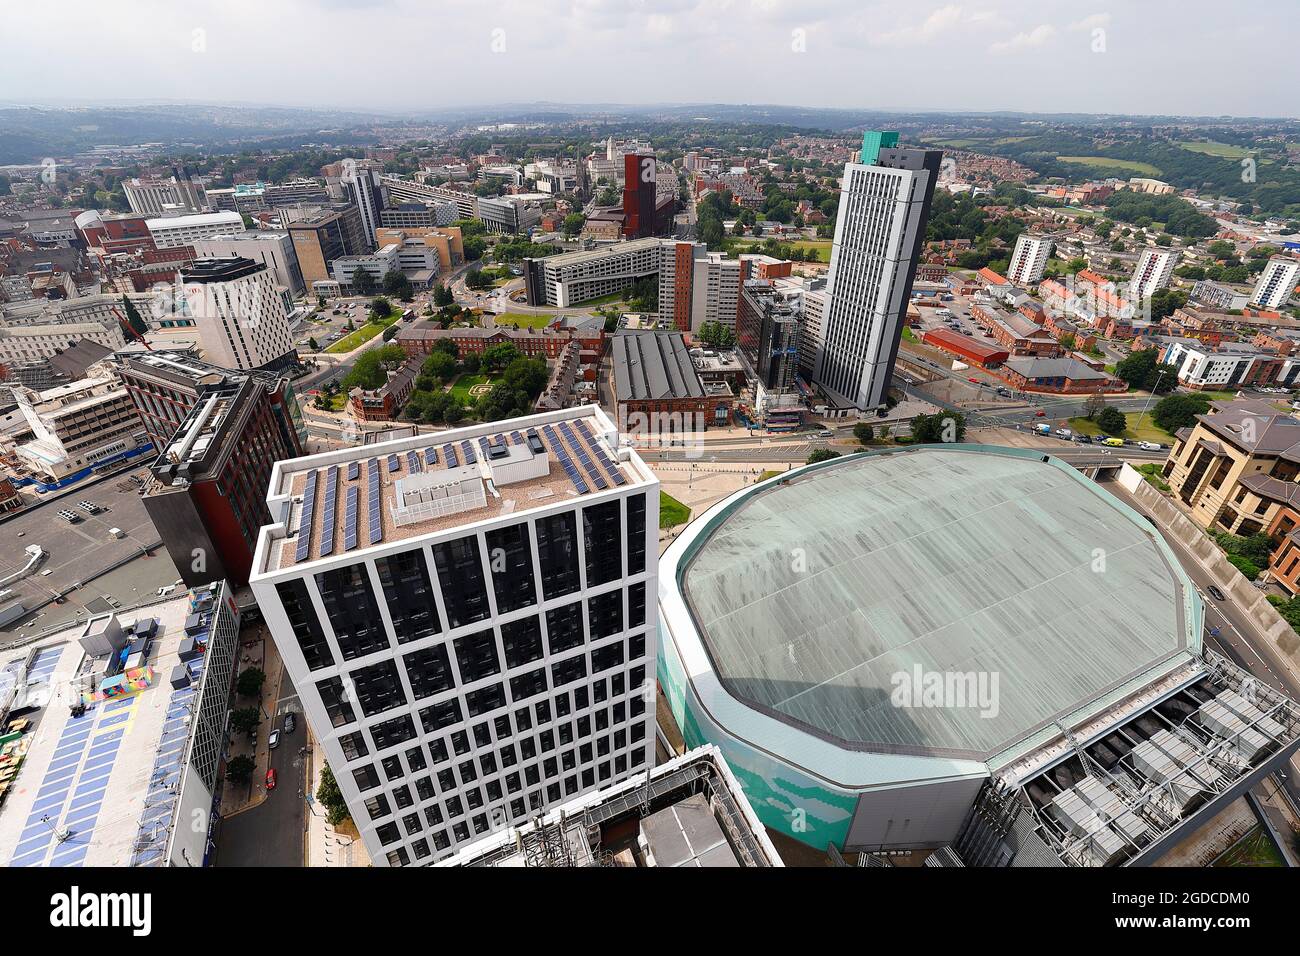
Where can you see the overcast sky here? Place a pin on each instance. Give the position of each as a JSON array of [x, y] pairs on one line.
[[1114, 56]]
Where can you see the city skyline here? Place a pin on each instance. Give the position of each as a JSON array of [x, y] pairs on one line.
[[1093, 59]]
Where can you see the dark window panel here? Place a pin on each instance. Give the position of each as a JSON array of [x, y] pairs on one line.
[[351, 609], [405, 580]]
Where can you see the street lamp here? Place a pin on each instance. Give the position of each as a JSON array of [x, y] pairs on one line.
[[1148, 401]]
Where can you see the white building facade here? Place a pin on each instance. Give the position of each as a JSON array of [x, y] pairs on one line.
[[1154, 270], [241, 315], [1276, 283], [469, 620], [171, 231], [1029, 260]]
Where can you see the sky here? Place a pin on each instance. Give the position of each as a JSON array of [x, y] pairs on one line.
[[1141, 57]]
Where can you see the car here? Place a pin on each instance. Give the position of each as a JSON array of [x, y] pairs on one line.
[[1215, 593], [972, 378], [1040, 414], [1150, 446], [825, 433], [1083, 439], [273, 740], [290, 722], [270, 779]]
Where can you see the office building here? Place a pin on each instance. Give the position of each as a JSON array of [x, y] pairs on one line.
[[715, 289], [320, 235], [445, 241], [273, 248], [1227, 366], [989, 727], [415, 215], [77, 427], [510, 214], [638, 195], [169, 232], [1154, 269], [690, 811], [879, 229], [241, 316], [28, 343], [1029, 259], [154, 197], [207, 496], [404, 191], [767, 340], [468, 620], [1276, 283]]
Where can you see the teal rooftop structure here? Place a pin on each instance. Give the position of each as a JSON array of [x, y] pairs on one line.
[[873, 141]]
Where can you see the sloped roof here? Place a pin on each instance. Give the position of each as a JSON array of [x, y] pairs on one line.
[[652, 366]]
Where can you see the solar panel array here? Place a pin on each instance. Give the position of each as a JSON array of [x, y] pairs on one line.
[[449, 453], [304, 518], [517, 438], [584, 459], [470, 457], [565, 462], [484, 446], [374, 490], [585, 431], [331, 502], [354, 470], [431, 455], [413, 462], [350, 520], [394, 463]]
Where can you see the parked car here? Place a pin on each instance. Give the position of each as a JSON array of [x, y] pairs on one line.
[[1215, 593], [1040, 414], [290, 722], [270, 779], [273, 741]]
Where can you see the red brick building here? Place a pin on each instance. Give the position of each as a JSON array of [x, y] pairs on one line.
[[546, 343], [383, 404], [967, 348]]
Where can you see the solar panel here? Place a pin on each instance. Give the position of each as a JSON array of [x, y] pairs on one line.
[[327, 524], [431, 455], [394, 464], [450, 454], [373, 523], [483, 445], [565, 462], [350, 520], [583, 458], [354, 469], [468, 449], [517, 438], [413, 462], [304, 518], [599, 452]]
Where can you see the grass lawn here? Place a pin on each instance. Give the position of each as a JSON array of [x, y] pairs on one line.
[[363, 334], [671, 511], [602, 299], [1225, 150], [460, 388], [522, 320], [909, 335], [1152, 473], [769, 474], [336, 403], [1218, 395], [821, 248], [1254, 849], [1148, 431], [1105, 162]]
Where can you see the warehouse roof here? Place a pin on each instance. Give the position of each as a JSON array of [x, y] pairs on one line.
[[818, 597], [654, 365], [1036, 368]]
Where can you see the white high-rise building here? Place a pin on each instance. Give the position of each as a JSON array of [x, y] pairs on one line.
[[1029, 260], [274, 249], [1276, 283], [171, 231], [1154, 270], [363, 188], [884, 205], [150, 197], [241, 314], [469, 621]]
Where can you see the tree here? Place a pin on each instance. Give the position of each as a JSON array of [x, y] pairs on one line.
[[363, 283], [1142, 370], [863, 433], [250, 682], [822, 454], [372, 367], [313, 344], [939, 427], [573, 224], [133, 318], [1179, 411], [1111, 420], [244, 720], [1093, 405], [439, 365], [396, 284], [239, 769], [381, 308], [329, 796], [477, 279], [496, 357], [442, 296]]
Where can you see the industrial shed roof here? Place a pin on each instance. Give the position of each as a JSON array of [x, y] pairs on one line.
[[654, 365]]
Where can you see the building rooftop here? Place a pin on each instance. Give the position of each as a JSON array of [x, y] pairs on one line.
[[356, 498], [1034, 368], [651, 366], [815, 596], [1256, 427]]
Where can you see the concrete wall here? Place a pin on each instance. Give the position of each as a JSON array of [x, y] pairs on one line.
[[1208, 556]]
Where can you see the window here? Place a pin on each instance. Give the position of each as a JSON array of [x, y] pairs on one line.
[[528, 685], [485, 700], [604, 542], [438, 716], [354, 745], [366, 778], [331, 695], [603, 658], [378, 688], [510, 555], [460, 572], [476, 656], [635, 534], [429, 671], [605, 614], [350, 606], [636, 604], [377, 806], [635, 646], [390, 733], [564, 627], [306, 627], [557, 552], [405, 580], [522, 641], [565, 672]]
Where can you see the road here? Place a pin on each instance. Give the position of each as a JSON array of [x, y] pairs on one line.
[[271, 833]]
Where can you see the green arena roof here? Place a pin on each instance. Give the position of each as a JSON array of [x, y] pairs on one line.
[[814, 596]]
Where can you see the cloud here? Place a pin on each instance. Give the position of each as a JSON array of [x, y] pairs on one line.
[[1024, 41], [942, 21], [1091, 22]]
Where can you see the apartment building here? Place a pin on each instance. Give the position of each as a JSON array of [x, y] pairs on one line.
[[1236, 466], [273, 248], [1154, 269], [469, 621], [362, 187], [76, 427], [415, 215], [241, 316], [1276, 283], [1227, 366], [1029, 259], [404, 191]]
